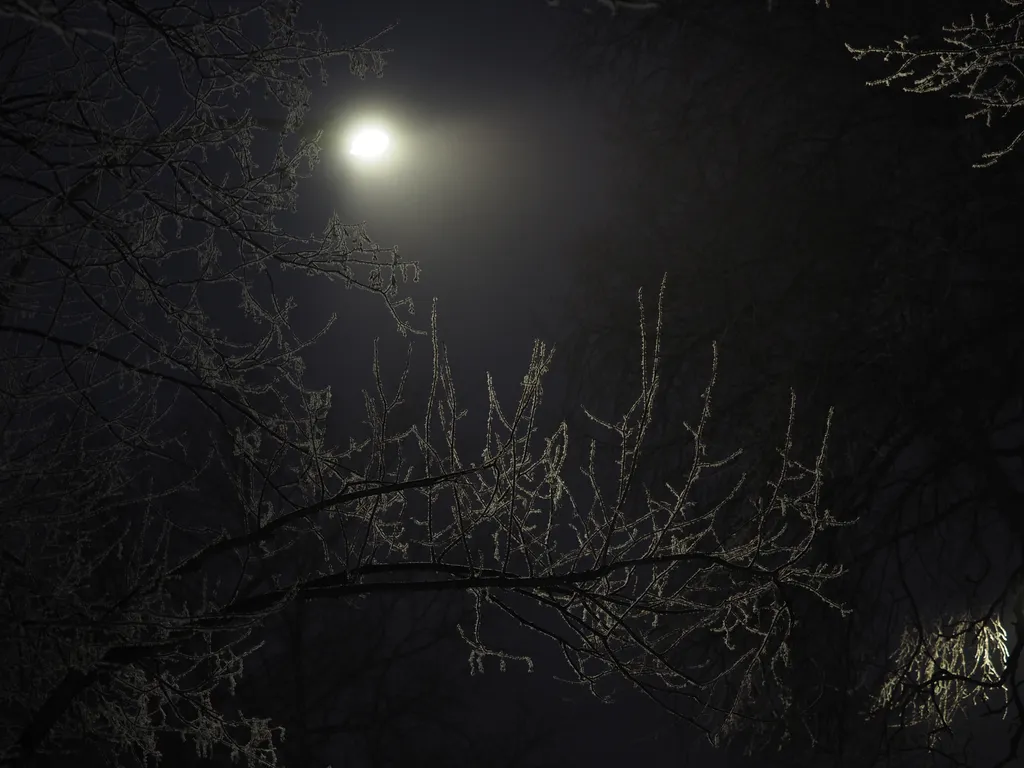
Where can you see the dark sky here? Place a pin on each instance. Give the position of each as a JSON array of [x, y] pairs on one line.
[[505, 184], [501, 162], [502, 167], [504, 164]]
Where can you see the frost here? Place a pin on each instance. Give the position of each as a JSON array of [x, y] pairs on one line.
[[942, 671], [978, 62]]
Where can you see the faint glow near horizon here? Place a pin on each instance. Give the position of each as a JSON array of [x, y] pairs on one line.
[[369, 142]]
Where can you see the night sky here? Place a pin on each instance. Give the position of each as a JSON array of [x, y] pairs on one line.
[[506, 161], [830, 238], [524, 151], [510, 162]]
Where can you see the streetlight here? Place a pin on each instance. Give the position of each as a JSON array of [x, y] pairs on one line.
[[369, 142]]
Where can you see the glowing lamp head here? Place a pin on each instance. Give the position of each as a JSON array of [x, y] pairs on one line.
[[369, 143]]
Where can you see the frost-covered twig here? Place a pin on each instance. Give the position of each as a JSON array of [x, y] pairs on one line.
[[980, 62]]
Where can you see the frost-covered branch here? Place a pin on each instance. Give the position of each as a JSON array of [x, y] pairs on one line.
[[631, 584], [980, 62], [140, 230], [942, 672]]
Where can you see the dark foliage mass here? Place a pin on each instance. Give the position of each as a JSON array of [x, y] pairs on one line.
[[782, 503]]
